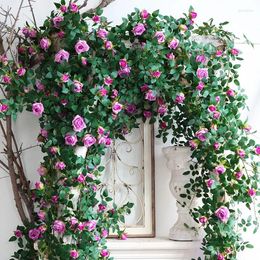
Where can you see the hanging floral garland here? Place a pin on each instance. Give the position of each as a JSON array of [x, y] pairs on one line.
[[88, 82]]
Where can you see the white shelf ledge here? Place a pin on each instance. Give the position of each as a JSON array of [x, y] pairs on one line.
[[153, 248]]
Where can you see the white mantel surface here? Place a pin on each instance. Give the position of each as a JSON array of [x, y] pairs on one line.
[[153, 248]]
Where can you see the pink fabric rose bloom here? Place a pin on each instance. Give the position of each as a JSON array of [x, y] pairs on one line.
[[59, 226], [37, 109], [21, 71], [62, 56], [74, 8], [173, 44], [6, 79], [71, 139], [81, 46], [209, 183], [91, 225], [104, 253], [45, 43], [241, 153], [89, 140], [139, 29], [78, 86], [108, 45], [220, 256], [200, 86], [156, 74], [160, 37], [74, 254], [180, 98], [203, 220], [144, 14], [222, 214], [257, 150], [150, 95], [117, 107], [234, 51], [34, 234], [102, 34], [200, 134], [201, 58], [202, 73], [57, 20], [220, 169], [60, 166], [251, 192], [78, 123], [96, 19], [18, 233]]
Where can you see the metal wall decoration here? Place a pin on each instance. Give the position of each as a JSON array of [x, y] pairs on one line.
[[129, 176]]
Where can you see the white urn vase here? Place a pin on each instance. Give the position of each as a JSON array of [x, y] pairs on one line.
[[179, 161]]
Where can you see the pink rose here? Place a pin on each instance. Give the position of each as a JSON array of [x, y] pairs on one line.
[[180, 98], [212, 108], [209, 183], [170, 56], [117, 107], [104, 253], [18, 233], [193, 15], [78, 123], [81, 46], [156, 74], [200, 86], [217, 98], [230, 92], [74, 254], [108, 81], [57, 20], [54, 149], [59, 226], [78, 86], [108, 45], [162, 109], [257, 150], [73, 221], [34, 234], [91, 225], [203, 220], [131, 108], [241, 153], [251, 192], [63, 9], [81, 178], [104, 233], [200, 134], [102, 34], [150, 95], [234, 52], [3, 108], [42, 170], [173, 44], [193, 144], [89, 140], [202, 73], [139, 29], [45, 43], [219, 53], [201, 58], [220, 256], [62, 56], [216, 115], [96, 19], [247, 128], [144, 88], [123, 63], [37, 109], [74, 8], [60, 166], [124, 236], [61, 34], [147, 114], [55, 199], [160, 37], [101, 207], [71, 139], [41, 215], [6, 79], [144, 14], [21, 71], [239, 175], [101, 130], [65, 78], [216, 146], [222, 214], [124, 72], [220, 169], [39, 86]]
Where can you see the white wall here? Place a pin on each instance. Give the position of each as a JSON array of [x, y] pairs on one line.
[[243, 19]]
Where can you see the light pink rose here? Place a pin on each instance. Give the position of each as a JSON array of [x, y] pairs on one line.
[[62, 56], [170, 56], [81, 46], [216, 146], [102, 34], [203, 220], [45, 43], [73, 221], [144, 14], [234, 51], [42, 170], [220, 256], [202, 73], [139, 29], [57, 20], [37, 109], [108, 45], [34, 234], [201, 134], [216, 115], [117, 107], [160, 37], [201, 58], [89, 140], [60, 166], [180, 98], [84, 61], [91, 225], [71, 139], [239, 175], [220, 169], [59, 226], [173, 44], [241, 153], [41, 215], [65, 77], [21, 71], [78, 86], [222, 214], [162, 109], [150, 95], [124, 236], [108, 81], [39, 185], [78, 123], [104, 233]]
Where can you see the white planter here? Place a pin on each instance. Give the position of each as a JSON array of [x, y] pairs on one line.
[[178, 161]]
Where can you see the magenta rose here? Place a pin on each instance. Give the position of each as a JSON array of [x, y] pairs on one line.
[[193, 15], [59, 226], [37, 109], [78, 123], [63, 8], [18, 233], [124, 236], [201, 134], [202, 73], [71, 139], [34, 234], [74, 254], [156, 74], [96, 19], [162, 109], [45, 43], [239, 175], [62, 56], [220, 256], [173, 44], [209, 183], [147, 114], [200, 86], [81, 46], [150, 95], [60, 166], [6, 79], [222, 214], [212, 108], [257, 150], [89, 140], [117, 107], [74, 8], [180, 98], [234, 52], [144, 14], [220, 169], [108, 81], [139, 29], [104, 253], [21, 71], [251, 192], [81, 178]]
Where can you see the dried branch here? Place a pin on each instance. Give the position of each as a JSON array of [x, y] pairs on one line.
[[32, 12], [103, 4]]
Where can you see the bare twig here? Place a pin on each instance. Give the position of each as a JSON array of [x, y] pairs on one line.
[[103, 4], [32, 12]]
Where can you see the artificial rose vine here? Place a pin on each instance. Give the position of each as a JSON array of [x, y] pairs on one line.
[[88, 83]]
